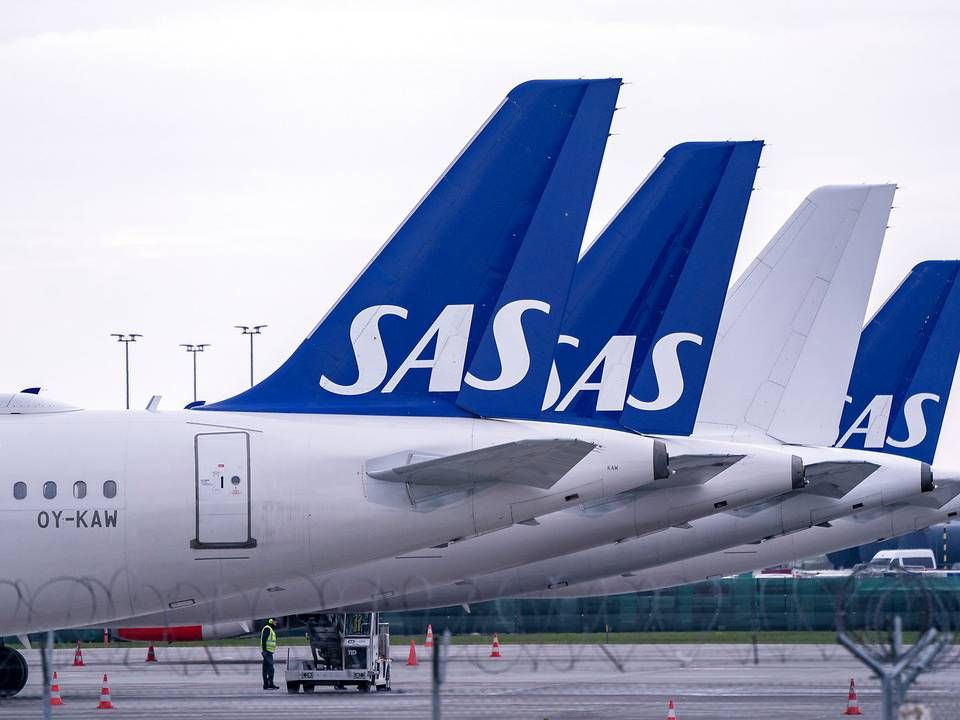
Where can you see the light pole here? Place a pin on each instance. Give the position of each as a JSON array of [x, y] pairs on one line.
[[251, 331], [126, 339], [193, 350]]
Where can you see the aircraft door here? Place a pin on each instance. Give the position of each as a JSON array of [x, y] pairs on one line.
[[223, 491]]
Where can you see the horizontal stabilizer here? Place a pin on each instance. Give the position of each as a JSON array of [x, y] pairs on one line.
[[836, 479], [537, 463], [940, 496], [694, 470]]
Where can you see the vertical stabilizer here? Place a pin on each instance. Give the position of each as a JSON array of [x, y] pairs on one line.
[[647, 295], [510, 367], [399, 341], [789, 330], [905, 366]]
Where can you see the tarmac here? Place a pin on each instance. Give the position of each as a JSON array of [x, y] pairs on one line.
[[529, 681]]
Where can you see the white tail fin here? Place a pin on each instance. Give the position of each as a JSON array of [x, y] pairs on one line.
[[790, 326]]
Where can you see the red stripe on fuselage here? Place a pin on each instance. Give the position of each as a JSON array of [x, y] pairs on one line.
[[183, 633]]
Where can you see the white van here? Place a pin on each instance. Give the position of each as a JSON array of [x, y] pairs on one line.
[[907, 560]]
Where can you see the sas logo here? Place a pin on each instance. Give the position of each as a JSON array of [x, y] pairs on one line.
[[449, 334], [874, 422]]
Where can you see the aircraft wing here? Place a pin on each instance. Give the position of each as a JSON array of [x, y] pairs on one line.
[[836, 479], [537, 463]]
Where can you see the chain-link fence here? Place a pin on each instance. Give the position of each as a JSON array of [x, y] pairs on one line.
[[737, 646]]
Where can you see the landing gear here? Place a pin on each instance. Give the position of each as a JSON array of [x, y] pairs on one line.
[[13, 672]]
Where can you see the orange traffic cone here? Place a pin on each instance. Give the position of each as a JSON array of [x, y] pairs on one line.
[[429, 642], [671, 711], [853, 705], [412, 655], [78, 656], [151, 655], [55, 698], [105, 702], [495, 650]]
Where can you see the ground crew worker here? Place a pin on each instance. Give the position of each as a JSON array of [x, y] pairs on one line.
[[268, 646]]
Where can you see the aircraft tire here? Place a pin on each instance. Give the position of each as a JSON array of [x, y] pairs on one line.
[[13, 672]]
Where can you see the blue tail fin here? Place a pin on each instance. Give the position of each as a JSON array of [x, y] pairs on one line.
[[647, 296], [512, 362], [905, 365], [400, 339]]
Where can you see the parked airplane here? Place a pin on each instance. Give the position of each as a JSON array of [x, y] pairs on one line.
[[908, 350], [812, 300], [418, 580], [675, 241], [331, 461]]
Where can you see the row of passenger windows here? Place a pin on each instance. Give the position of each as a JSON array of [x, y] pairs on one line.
[[50, 490]]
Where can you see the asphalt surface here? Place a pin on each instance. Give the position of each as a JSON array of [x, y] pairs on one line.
[[530, 681]]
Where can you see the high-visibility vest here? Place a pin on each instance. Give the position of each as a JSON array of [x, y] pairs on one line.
[[271, 642]]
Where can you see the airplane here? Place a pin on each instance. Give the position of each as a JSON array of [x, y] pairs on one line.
[[454, 392], [676, 237], [331, 461], [863, 481], [418, 581], [907, 357]]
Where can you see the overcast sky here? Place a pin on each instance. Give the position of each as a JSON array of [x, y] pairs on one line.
[[177, 168]]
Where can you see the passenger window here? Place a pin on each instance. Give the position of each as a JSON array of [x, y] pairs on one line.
[[79, 489], [49, 490], [109, 489], [19, 490]]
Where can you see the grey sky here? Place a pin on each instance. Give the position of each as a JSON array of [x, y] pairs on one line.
[[176, 168]]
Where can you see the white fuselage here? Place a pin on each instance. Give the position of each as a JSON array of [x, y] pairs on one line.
[[208, 504], [846, 532], [410, 577], [737, 534], [539, 559], [640, 529], [895, 479]]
